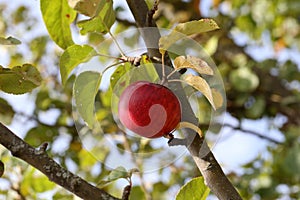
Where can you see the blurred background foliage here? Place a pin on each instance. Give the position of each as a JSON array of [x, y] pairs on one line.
[[257, 53]]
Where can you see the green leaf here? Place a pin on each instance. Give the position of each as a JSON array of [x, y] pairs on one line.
[[85, 89], [86, 7], [197, 26], [118, 73], [6, 112], [195, 189], [19, 79], [201, 85], [257, 109], [186, 29], [194, 63], [244, 80], [86, 160], [137, 193], [159, 190], [41, 133], [119, 172], [9, 41], [35, 182], [102, 22], [73, 56], [58, 16]]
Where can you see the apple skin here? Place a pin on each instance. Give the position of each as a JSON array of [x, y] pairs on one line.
[[149, 110]]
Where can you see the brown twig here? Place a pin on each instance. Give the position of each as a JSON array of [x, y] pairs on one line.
[[252, 133]]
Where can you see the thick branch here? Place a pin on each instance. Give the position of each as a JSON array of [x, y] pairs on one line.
[[203, 157], [40, 160]]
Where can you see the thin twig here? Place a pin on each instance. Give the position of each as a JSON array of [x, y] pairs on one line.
[[252, 133]]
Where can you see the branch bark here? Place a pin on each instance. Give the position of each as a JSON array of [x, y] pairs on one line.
[[213, 174], [39, 159]]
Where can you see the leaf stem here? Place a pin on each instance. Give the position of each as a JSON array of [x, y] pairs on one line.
[[112, 65], [117, 44], [172, 73]]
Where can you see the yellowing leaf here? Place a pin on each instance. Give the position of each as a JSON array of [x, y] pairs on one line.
[[201, 85], [218, 98], [86, 7], [58, 16], [197, 26], [186, 29], [73, 56], [190, 126], [19, 79], [194, 63]]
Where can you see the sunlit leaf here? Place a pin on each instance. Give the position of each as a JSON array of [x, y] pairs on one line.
[[85, 89], [211, 45], [186, 29], [118, 173], [35, 182], [86, 160], [19, 79], [102, 22], [58, 16], [194, 189], [137, 193], [201, 85], [9, 41], [72, 57], [6, 112], [86, 7], [217, 97], [194, 63], [244, 80]]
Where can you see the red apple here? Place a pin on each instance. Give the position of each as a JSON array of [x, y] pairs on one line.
[[148, 109]]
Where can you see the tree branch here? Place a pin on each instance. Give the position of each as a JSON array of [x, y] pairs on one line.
[[252, 133], [40, 160], [213, 175]]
